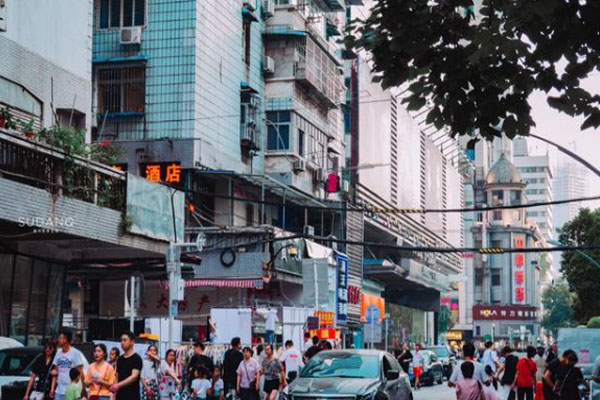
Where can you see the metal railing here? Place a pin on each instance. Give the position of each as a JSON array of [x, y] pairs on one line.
[[48, 168]]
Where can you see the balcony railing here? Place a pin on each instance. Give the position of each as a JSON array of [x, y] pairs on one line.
[[48, 168]]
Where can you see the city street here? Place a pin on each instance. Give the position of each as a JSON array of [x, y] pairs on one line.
[[437, 392]]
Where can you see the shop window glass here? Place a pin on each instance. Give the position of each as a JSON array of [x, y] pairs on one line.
[[6, 274], [20, 299], [37, 308], [54, 304]]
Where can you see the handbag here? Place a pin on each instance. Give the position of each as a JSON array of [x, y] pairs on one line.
[[37, 395], [252, 382]]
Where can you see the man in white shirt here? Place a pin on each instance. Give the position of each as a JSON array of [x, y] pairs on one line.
[[292, 361], [490, 357], [307, 342], [66, 358], [469, 355], [271, 320]]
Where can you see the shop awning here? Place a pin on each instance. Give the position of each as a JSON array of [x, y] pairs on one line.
[[226, 283]]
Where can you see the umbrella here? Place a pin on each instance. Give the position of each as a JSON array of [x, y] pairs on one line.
[[6, 343]]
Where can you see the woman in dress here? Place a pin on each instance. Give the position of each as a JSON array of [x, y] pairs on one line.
[[100, 375], [149, 374], [169, 381], [40, 378]]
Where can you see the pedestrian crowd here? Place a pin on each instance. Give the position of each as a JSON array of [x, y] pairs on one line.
[[121, 374], [537, 376]]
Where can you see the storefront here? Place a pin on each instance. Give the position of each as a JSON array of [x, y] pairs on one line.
[[31, 293], [517, 325]]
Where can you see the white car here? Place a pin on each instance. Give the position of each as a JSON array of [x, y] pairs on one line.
[[16, 364]]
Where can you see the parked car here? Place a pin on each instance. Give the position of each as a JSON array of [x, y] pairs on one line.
[[15, 369], [433, 371], [350, 374], [446, 357]]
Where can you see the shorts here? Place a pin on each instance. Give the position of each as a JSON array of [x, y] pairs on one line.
[[417, 371], [271, 384]]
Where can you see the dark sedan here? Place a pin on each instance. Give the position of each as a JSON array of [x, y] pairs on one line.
[[350, 375]]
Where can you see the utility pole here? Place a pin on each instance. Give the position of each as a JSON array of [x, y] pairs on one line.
[[176, 283]]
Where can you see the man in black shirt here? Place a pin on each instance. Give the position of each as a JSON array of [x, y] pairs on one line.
[[569, 379], [129, 366], [231, 361], [200, 362], [554, 371], [510, 371], [312, 350]]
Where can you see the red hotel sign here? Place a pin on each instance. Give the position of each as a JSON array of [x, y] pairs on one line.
[[505, 313]]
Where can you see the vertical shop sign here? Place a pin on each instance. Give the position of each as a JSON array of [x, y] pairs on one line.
[[341, 298], [518, 274]]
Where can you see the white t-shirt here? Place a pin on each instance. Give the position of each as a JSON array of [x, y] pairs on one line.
[[478, 373], [490, 358], [64, 362], [418, 360], [596, 371], [272, 319], [219, 386], [149, 371], [293, 360], [200, 387], [307, 345]]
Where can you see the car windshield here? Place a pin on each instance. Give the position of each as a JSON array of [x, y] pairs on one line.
[[341, 365], [16, 364], [440, 351]]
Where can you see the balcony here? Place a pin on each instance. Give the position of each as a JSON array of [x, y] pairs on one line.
[[48, 168]]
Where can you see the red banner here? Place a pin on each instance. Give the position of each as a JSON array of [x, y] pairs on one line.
[[505, 313]]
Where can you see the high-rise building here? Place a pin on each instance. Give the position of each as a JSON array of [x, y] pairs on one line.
[[570, 182]]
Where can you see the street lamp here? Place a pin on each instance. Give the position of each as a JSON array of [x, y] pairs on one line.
[[580, 252]]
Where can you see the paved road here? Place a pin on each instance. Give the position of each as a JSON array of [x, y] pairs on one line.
[[437, 392]]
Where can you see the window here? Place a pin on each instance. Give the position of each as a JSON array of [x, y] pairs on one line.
[[278, 133], [478, 330], [497, 198], [246, 35], [515, 197], [300, 142], [478, 276], [117, 13], [249, 214], [121, 89], [496, 278]]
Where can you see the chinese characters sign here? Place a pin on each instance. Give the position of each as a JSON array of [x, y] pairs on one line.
[[169, 172], [341, 303], [326, 319], [518, 273], [505, 313], [354, 294]]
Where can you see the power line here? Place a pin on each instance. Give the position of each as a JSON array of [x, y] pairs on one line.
[[417, 249], [364, 208]]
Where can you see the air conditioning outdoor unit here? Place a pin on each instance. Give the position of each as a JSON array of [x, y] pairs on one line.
[[268, 65], [345, 186], [131, 35], [269, 8], [3, 14], [309, 230], [299, 165], [250, 5], [319, 175]]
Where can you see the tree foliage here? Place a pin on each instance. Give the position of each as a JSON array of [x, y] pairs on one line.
[[594, 323], [558, 313], [581, 274], [477, 73]]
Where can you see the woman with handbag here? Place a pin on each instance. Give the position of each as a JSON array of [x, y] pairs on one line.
[[248, 373], [41, 378], [100, 375]]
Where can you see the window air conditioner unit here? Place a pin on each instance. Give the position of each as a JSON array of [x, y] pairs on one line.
[[319, 175], [3, 14], [269, 8], [299, 165], [309, 230], [345, 186], [131, 35], [268, 65], [250, 5]]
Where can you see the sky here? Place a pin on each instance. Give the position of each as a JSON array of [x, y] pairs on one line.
[[565, 130]]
